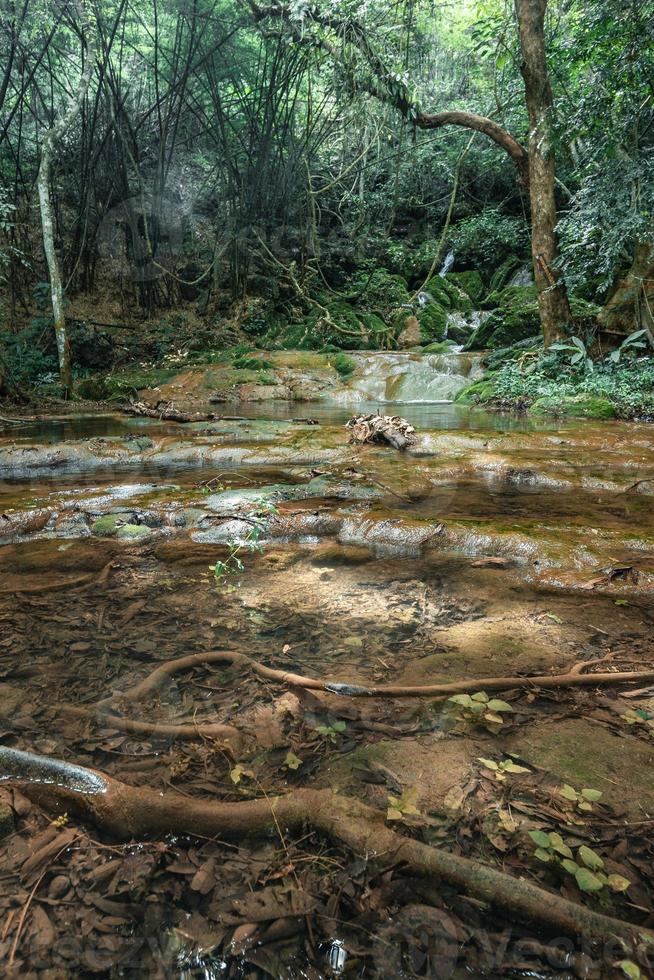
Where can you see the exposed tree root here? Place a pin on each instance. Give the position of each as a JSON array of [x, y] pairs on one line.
[[572, 678], [195, 730], [136, 812]]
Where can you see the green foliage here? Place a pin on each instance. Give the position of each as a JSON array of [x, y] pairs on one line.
[[587, 868], [479, 710], [333, 731], [501, 769], [248, 363], [625, 389], [400, 807], [577, 354], [485, 240], [233, 564], [29, 354], [376, 289], [344, 365]]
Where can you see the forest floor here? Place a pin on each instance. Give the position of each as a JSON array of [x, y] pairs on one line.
[[493, 547]]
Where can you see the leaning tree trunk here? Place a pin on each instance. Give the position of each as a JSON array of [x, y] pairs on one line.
[[630, 305], [552, 296], [48, 148]]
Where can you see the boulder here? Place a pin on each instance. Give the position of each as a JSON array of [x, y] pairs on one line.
[[252, 392], [410, 334]]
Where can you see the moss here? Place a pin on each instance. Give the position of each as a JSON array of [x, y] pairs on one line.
[[512, 297], [95, 389], [440, 347], [449, 294], [344, 365], [433, 322], [470, 282], [574, 406], [114, 526], [251, 363], [482, 390], [503, 273]]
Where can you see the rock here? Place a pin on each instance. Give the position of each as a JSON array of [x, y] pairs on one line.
[[574, 406], [119, 526], [252, 392], [470, 282], [410, 334], [433, 323], [10, 700]]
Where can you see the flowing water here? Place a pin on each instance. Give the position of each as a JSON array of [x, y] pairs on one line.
[[495, 546]]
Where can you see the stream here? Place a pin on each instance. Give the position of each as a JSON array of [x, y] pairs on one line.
[[495, 546]]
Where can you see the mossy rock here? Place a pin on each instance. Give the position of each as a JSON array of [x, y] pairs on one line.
[[494, 359], [440, 347], [433, 322], [574, 406], [512, 297], [114, 526], [482, 390], [449, 294], [470, 282], [503, 273], [503, 328]]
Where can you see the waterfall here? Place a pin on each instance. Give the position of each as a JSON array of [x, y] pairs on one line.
[[399, 377], [447, 264]]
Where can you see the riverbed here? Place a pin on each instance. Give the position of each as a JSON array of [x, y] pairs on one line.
[[495, 546]]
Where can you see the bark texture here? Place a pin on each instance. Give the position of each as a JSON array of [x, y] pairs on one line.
[[136, 812], [48, 154], [552, 296], [630, 305]]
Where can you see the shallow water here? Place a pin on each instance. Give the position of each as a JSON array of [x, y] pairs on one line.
[[490, 551]]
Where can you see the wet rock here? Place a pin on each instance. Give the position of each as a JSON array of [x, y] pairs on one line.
[[263, 393], [410, 334], [579, 406], [119, 526]]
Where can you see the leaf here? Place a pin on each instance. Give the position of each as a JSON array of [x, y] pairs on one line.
[[570, 866], [585, 806], [590, 858], [477, 707], [592, 795], [407, 801], [512, 767], [495, 704], [617, 883], [630, 969], [238, 772], [560, 846], [292, 761], [339, 726], [554, 618], [393, 814], [542, 854], [587, 881], [568, 792], [488, 763], [540, 838], [353, 641], [480, 696], [463, 699], [493, 718]]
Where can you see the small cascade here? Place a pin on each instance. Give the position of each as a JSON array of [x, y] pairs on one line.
[[399, 377], [447, 264]]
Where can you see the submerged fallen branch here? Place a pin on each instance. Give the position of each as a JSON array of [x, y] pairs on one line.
[[572, 678], [135, 812], [389, 429], [166, 411], [183, 730]]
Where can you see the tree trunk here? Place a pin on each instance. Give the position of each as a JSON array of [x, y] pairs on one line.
[[50, 140], [56, 289], [630, 305], [552, 296]]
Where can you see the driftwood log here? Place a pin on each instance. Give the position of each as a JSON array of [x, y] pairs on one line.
[[128, 812], [390, 429]]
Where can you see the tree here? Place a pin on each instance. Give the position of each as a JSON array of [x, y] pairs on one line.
[[49, 142], [347, 41], [552, 296]]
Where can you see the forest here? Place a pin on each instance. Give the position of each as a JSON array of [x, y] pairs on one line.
[[326, 483]]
